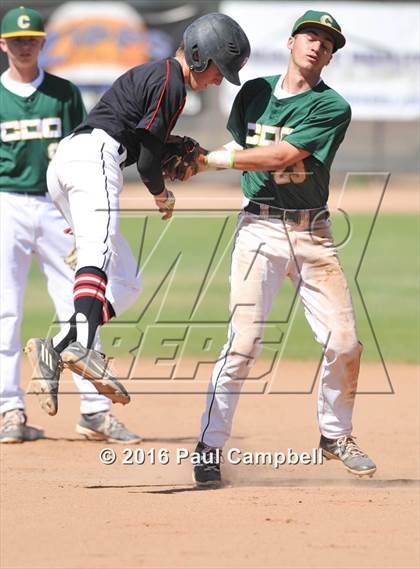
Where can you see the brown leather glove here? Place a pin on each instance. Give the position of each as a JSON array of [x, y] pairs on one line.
[[180, 158]]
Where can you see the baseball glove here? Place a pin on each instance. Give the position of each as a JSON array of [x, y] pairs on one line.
[[179, 159], [71, 259]]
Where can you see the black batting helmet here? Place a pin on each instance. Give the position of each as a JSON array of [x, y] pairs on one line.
[[216, 37]]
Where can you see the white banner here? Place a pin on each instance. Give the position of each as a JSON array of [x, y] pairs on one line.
[[378, 69]]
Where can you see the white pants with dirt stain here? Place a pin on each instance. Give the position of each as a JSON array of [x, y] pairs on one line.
[[267, 250]]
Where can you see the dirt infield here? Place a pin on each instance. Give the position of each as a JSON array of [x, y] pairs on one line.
[[63, 509]]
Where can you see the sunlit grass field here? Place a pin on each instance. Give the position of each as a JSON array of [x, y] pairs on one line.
[[185, 267]]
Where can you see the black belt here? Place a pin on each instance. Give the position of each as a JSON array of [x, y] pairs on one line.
[[295, 215], [88, 129]]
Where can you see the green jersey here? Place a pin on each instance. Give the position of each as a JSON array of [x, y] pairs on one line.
[[315, 120], [31, 128]]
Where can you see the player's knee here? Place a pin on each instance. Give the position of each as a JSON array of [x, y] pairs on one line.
[[349, 357], [247, 346], [352, 351]]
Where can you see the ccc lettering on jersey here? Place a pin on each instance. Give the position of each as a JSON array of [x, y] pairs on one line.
[[265, 135], [31, 129]]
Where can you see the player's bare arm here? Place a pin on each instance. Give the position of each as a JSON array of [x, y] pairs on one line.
[[274, 157]]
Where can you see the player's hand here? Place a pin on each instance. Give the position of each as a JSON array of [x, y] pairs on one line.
[[201, 160], [68, 231], [165, 203]]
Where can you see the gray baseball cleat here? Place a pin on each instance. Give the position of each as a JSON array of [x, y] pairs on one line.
[[15, 430], [92, 365], [346, 449], [46, 366], [206, 472], [103, 426]]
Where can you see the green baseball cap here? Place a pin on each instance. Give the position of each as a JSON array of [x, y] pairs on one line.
[[323, 21], [22, 22]]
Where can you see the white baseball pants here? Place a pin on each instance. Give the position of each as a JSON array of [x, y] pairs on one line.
[[32, 226], [265, 252], [85, 181]]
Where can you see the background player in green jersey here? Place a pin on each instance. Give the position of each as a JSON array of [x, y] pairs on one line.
[[286, 130], [37, 110]]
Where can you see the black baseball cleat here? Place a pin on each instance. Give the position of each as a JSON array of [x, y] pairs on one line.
[[346, 449], [46, 366], [206, 471]]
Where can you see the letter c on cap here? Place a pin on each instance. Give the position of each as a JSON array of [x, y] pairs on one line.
[[326, 19], [24, 21]]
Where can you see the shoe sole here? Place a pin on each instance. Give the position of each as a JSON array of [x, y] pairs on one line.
[[40, 387], [103, 386], [10, 441], [96, 436], [331, 456], [210, 484]]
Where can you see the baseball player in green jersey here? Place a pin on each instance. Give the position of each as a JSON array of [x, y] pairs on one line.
[[286, 131], [37, 111]]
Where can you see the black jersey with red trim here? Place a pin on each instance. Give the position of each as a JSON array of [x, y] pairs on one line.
[[149, 97]]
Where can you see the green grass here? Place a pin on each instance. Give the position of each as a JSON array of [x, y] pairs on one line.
[[176, 314]]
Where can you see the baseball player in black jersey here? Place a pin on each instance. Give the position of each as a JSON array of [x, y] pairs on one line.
[[130, 124]]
